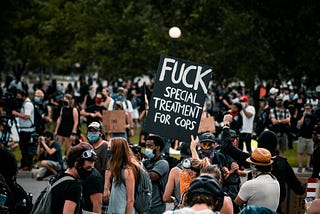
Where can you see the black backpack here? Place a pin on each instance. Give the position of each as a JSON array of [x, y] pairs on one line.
[[21, 201], [38, 120]]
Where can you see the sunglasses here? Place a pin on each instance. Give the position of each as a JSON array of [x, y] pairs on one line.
[[88, 154]]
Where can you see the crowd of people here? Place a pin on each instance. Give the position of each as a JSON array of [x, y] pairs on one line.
[[62, 130]]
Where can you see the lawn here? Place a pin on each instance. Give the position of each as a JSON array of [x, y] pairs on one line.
[[291, 154]]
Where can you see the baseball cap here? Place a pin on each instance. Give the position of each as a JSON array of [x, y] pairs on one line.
[[207, 137], [244, 99], [273, 90], [95, 125]]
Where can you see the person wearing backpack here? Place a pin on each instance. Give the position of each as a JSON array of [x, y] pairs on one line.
[[158, 169], [66, 194], [17, 199], [122, 176], [39, 112]]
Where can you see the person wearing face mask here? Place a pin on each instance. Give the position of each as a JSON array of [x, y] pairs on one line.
[[67, 123], [207, 149], [281, 169], [89, 98], [40, 111], [93, 113], [100, 146], [264, 189], [67, 194], [158, 169], [280, 119], [25, 119]]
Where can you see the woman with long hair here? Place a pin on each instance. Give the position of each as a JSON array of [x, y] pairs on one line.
[[67, 123], [123, 173]]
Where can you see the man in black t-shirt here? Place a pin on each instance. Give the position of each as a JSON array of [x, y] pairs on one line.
[[92, 189], [67, 194], [306, 124]]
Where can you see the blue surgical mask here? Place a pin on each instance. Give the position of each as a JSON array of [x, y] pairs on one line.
[[93, 137], [149, 153], [37, 99]]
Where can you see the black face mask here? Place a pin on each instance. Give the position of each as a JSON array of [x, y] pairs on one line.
[[83, 173], [65, 103]]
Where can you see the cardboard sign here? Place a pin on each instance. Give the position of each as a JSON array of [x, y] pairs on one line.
[[178, 97], [114, 121], [207, 124]]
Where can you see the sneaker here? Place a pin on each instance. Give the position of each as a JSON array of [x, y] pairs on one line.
[[308, 169], [299, 169]]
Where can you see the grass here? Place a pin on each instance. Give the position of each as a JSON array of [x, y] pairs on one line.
[[291, 154]]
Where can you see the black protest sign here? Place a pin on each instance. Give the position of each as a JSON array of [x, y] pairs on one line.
[[177, 99]]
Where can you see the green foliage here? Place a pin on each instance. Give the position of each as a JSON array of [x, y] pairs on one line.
[[265, 40]]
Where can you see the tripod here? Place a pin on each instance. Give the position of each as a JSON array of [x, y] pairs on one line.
[[5, 131]]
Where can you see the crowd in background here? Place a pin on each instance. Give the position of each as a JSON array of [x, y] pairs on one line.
[[275, 116]]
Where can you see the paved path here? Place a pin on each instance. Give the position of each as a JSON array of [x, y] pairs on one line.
[[30, 184]]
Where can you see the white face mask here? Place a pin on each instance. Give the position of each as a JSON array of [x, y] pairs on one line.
[[149, 153]]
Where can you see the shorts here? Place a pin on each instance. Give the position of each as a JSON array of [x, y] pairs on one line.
[[54, 164], [283, 141], [305, 144], [135, 114]]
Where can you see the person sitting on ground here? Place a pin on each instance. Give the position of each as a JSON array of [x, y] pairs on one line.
[[50, 154], [204, 196]]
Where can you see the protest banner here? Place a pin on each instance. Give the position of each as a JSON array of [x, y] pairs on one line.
[[178, 98], [114, 121]]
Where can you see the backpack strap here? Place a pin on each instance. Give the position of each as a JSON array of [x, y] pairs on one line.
[[65, 178]]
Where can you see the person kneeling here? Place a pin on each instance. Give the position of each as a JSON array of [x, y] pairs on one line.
[[49, 152]]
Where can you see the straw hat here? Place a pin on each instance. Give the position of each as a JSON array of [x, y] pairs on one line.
[[260, 157]]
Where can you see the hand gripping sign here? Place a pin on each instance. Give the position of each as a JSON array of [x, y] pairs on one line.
[[178, 98]]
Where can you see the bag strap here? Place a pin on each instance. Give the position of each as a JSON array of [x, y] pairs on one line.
[[65, 178]]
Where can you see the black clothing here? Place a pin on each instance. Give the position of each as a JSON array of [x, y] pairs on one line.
[[281, 168], [93, 109], [93, 184], [66, 124], [307, 126], [67, 190], [25, 146], [316, 163]]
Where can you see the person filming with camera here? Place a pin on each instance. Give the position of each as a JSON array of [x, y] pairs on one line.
[[50, 154], [25, 121]]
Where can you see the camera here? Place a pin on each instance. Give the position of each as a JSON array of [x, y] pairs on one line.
[[9, 102]]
